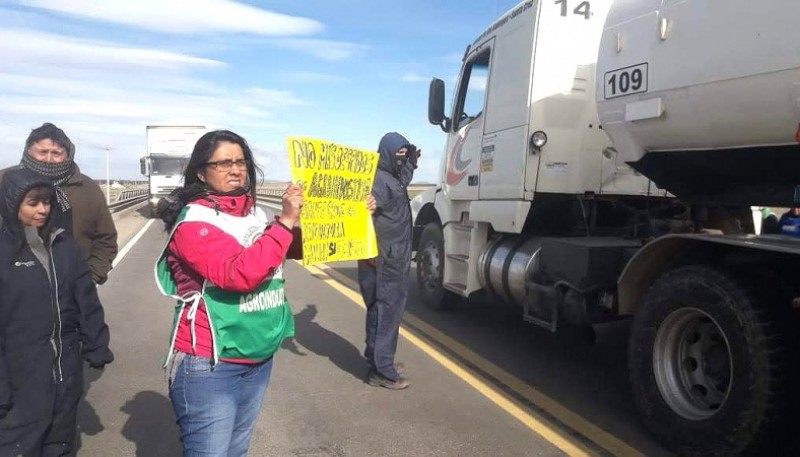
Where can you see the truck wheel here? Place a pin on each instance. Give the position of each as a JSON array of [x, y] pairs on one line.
[[430, 268], [705, 363]]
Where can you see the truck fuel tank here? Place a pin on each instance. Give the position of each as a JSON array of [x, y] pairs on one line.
[[699, 76]]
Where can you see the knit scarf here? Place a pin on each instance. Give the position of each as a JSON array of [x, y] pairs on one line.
[[203, 192], [59, 173]]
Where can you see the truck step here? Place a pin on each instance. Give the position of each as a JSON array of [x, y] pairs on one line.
[[458, 258], [455, 287], [462, 227]]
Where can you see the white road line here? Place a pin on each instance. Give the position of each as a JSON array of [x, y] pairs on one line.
[[131, 243]]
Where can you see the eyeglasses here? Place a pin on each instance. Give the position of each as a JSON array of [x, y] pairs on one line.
[[227, 164]]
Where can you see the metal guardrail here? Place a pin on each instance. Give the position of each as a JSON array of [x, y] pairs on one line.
[[270, 194], [128, 198], [267, 193], [130, 194]]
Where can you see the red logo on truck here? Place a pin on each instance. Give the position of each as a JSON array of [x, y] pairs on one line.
[[456, 167]]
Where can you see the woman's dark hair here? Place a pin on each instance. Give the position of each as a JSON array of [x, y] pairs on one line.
[[193, 189], [15, 228], [45, 193]]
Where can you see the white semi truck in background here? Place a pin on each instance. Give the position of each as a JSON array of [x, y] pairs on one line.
[[168, 150], [601, 161]]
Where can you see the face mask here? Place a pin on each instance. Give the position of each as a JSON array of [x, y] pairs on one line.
[[411, 154]]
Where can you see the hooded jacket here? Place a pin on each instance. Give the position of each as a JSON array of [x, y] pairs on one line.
[[90, 223], [46, 292], [789, 224], [392, 216]]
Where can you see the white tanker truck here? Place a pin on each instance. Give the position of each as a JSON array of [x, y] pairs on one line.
[[602, 158]]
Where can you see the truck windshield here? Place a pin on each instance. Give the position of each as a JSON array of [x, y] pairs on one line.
[[168, 165], [473, 89]]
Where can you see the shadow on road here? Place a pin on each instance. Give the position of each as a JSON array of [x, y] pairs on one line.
[[151, 425], [325, 343], [88, 420]]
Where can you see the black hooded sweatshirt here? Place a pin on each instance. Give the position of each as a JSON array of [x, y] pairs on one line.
[[392, 217], [46, 292]]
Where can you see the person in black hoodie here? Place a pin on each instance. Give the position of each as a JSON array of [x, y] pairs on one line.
[[50, 318], [384, 280]]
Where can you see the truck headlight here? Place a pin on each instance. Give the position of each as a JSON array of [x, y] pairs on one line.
[[538, 140]]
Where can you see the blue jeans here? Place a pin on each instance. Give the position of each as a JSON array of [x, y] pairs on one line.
[[217, 408]]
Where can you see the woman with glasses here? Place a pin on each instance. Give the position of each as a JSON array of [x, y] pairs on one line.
[[223, 264]]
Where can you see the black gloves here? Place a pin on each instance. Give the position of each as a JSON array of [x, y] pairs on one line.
[[412, 154], [99, 358]]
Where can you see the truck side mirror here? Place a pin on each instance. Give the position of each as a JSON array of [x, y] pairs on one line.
[[436, 105], [143, 166]]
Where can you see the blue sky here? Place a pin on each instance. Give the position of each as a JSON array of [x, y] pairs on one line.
[[340, 70]]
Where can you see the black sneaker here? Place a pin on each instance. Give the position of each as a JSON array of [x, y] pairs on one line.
[[375, 379]]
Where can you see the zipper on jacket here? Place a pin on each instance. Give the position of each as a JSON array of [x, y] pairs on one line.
[[60, 349], [55, 350]]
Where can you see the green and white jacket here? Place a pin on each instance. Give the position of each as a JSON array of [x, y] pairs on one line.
[[249, 325]]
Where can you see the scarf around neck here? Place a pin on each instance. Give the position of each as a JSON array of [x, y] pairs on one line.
[[58, 173]]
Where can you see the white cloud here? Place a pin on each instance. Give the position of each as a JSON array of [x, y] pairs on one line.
[[454, 58], [323, 49], [104, 94], [112, 104], [182, 17], [477, 83], [309, 76], [272, 97], [412, 77], [273, 161], [79, 83], [25, 47]]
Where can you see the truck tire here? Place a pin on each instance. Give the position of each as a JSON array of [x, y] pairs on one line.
[[430, 268], [706, 363]]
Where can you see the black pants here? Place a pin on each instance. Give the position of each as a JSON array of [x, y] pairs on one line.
[[384, 288], [42, 422]]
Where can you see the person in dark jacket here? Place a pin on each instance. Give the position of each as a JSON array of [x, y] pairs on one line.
[[49, 152], [384, 280], [48, 306], [789, 222]]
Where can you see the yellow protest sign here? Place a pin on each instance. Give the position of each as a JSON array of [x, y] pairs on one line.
[[336, 182]]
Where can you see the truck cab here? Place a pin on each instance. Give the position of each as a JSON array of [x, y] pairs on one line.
[[601, 161], [168, 152]]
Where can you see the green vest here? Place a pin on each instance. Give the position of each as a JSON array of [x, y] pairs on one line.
[[248, 325]]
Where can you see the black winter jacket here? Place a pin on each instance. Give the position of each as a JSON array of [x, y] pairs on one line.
[[89, 222], [392, 217], [41, 303]]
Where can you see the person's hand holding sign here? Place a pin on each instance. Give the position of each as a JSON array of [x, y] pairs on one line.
[[292, 203], [372, 205]]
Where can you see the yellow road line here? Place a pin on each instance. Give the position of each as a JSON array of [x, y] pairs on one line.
[[540, 425], [563, 414]]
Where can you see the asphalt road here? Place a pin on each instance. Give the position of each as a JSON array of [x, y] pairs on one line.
[[317, 403], [484, 383]]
